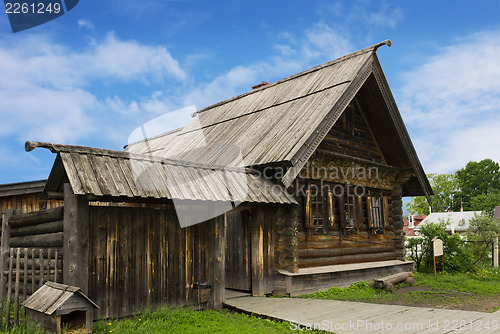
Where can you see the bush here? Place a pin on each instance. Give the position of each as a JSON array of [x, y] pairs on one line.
[[458, 255]]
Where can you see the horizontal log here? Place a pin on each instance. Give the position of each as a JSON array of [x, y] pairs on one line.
[[37, 274], [315, 253], [347, 259], [45, 252], [40, 240], [37, 217], [51, 227], [325, 245], [345, 238], [388, 282]]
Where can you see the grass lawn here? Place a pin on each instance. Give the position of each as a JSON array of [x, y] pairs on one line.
[[182, 320], [190, 321], [471, 292]]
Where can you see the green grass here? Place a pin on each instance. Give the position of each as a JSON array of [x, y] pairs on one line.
[[442, 290], [181, 320]]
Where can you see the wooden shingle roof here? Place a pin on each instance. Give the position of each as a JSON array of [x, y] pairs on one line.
[[52, 296], [283, 123], [99, 173]]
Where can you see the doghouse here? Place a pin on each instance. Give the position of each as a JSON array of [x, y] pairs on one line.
[[56, 306]]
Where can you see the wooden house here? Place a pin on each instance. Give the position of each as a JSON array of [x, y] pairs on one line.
[[25, 197], [313, 167]]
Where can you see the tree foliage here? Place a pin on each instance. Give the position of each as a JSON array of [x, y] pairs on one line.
[[476, 187], [477, 179], [444, 187]]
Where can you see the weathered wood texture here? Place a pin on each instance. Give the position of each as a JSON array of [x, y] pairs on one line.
[[351, 135], [75, 240], [238, 256], [323, 247], [26, 203], [141, 257], [285, 238]]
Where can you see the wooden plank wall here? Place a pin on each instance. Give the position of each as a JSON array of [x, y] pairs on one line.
[[318, 249], [140, 257], [27, 203]]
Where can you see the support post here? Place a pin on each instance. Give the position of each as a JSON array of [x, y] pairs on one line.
[[257, 244], [76, 240], [219, 261]]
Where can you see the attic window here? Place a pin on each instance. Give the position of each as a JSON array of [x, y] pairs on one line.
[[348, 120]]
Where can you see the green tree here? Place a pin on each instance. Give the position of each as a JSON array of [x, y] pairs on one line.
[[483, 230], [477, 181], [444, 187]]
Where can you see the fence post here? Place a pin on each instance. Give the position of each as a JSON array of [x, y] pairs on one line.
[[76, 240], [495, 252], [4, 255]]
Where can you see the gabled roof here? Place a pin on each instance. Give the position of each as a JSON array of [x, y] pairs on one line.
[[21, 188], [99, 173], [284, 122], [51, 296]]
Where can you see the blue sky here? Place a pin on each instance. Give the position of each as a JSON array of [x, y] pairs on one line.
[[93, 75]]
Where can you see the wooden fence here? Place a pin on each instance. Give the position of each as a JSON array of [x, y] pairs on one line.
[[30, 255]]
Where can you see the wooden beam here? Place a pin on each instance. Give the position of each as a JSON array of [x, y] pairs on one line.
[[76, 240], [219, 259], [257, 244]]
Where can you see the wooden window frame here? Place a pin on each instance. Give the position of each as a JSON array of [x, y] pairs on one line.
[[323, 209], [378, 215], [350, 206]]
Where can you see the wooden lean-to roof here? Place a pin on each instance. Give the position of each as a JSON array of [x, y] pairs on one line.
[[115, 175], [283, 123]]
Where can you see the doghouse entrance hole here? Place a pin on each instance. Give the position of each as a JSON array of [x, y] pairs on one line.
[[74, 320]]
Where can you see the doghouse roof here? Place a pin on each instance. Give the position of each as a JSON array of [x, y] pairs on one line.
[[99, 173], [282, 124], [51, 297]]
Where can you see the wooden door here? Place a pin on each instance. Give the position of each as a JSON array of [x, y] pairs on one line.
[[238, 254]]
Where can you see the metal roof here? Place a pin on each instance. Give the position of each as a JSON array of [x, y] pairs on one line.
[[106, 173], [51, 296], [453, 220]]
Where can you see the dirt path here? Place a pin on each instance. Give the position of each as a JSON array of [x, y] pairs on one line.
[[454, 300]]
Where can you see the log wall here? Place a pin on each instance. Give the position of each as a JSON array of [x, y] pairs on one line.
[[323, 247]]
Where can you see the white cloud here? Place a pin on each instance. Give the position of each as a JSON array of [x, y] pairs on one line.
[[85, 24], [451, 103], [47, 90]]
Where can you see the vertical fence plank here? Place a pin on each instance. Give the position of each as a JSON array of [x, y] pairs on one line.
[[9, 289], [16, 287], [33, 271], [56, 267], [49, 264], [25, 278], [41, 268]]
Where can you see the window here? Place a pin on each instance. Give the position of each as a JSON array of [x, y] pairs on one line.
[[350, 205], [378, 212], [320, 209]]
